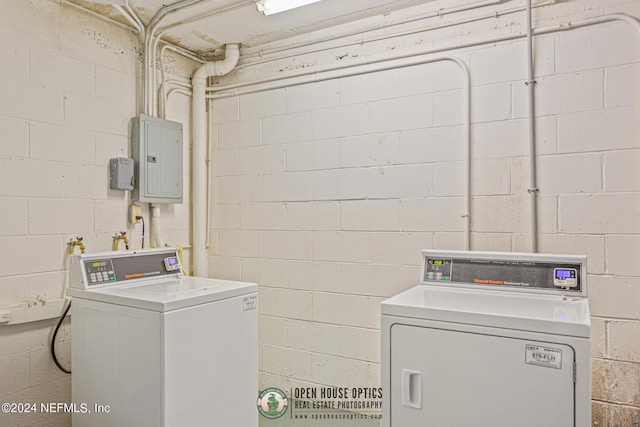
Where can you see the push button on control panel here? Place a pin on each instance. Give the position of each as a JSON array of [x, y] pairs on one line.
[[438, 269], [100, 271]]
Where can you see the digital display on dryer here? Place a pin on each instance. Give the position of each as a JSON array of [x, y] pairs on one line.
[[565, 274], [172, 263]]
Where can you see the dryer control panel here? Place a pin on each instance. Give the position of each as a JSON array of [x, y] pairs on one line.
[[543, 273]]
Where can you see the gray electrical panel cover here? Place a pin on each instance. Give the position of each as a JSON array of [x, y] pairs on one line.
[[156, 147]]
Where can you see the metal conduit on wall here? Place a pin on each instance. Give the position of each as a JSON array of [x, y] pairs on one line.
[[152, 26], [321, 74], [402, 61], [337, 71], [343, 71], [199, 252]]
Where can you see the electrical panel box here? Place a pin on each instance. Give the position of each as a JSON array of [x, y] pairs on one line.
[[156, 147], [121, 173]]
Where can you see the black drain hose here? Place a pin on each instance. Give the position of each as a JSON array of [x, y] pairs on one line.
[[53, 340]]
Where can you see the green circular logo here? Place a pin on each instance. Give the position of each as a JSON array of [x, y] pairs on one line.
[[272, 403]]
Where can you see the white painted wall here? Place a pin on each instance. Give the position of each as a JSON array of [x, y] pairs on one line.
[[68, 89], [327, 191]]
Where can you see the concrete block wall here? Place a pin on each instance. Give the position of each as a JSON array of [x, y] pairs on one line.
[[327, 191], [68, 89]]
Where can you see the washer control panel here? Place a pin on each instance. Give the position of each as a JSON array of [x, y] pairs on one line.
[[100, 271], [113, 268], [544, 273]]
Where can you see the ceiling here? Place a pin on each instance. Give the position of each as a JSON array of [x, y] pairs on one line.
[[209, 24]]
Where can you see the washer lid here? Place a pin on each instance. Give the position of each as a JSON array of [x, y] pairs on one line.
[[167, 294], [552, 314]]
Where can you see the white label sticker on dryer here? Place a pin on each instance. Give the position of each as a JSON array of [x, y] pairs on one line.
[[250, 303], [543, 356]]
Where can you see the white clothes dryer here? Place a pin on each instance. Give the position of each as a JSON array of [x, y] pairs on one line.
[[151, 347], [489, 339]]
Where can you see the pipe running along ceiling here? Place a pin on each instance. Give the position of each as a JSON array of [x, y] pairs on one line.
[[205, 26]]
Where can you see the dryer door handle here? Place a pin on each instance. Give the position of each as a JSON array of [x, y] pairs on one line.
[[411, 388]]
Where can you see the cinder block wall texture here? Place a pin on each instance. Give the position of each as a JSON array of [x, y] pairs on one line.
[[68, 89], [324, 193]]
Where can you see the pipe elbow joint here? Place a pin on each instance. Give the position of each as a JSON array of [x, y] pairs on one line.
[[231, 56], [219, 68]]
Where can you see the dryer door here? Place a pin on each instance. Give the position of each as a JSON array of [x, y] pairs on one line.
[[448, 378]]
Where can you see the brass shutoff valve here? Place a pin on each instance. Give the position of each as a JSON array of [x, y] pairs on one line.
[[76, 243], [120, 237]]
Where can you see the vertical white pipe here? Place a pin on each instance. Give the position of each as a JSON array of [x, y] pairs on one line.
[[199, 137], [156, 238], [467, 152], [152, 25], [533, 186], [199, 166], [154, 75]]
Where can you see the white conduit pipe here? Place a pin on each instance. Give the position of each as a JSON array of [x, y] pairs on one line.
[[180, 51], [382, 64], [214, 12], [163, 97], [129, 18], [133, 14], [208, 202], [175, 82], [533, 181], [156, 238], [184, 92], [152, 26], [310, 76], [263, 55], [180, 91], [154, 74], [224, 91], [96, 14], [199, 135], [149, 75]]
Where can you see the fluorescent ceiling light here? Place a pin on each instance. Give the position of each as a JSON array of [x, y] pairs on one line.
[[269, 7]]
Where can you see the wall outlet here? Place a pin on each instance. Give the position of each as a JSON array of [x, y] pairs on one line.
[[134, 212]]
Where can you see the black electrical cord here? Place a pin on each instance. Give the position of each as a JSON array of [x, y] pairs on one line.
[[53, 340], [142, 219]]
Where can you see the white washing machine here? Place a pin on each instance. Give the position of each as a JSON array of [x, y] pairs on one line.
[[151, 347], [489, 339]]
